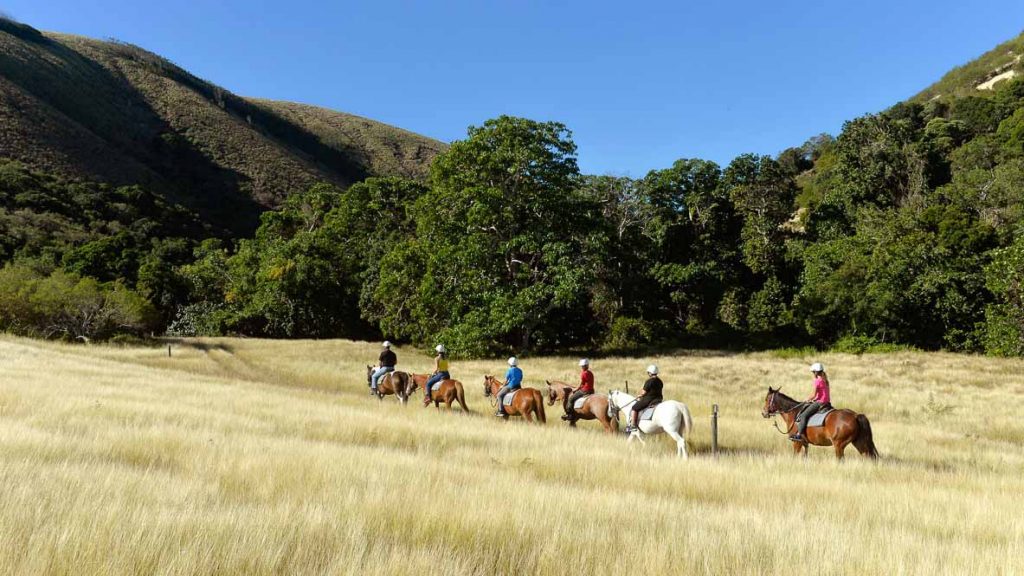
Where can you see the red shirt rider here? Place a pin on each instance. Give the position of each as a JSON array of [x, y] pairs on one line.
[[586, 380]]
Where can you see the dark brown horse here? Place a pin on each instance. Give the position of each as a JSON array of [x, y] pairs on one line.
[[841, 427], [450, 391], [391, 383], [595, 407], [529, 402]]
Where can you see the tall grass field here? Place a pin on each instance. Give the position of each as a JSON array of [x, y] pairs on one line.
[[237, 456]]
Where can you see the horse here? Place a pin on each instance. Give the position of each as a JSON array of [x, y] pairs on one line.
[[841, 427], [595, 406], [671, 417], [450, 391], [391, 383], [528, 402]]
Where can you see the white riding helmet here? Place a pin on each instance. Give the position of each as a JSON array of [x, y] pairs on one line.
[[817, 367], [386, 344], [513, 361], [439, 348], [584, 362], [652, 370]]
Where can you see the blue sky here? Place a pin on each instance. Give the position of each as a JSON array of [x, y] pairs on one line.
[[640, 84]]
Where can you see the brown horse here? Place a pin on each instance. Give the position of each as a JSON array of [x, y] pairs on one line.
[[391, 383], [841, 427], [595, 406], [528, 402], [450, 391]]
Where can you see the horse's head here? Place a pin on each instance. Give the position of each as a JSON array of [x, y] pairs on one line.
[[369, 373], [487, 384], [771, 403], [613, 400]]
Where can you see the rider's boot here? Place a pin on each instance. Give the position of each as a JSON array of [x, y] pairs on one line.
[[426, 399]]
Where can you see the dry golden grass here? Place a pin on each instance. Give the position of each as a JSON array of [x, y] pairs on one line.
[[268, 457]]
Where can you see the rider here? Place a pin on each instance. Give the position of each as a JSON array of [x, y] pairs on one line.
[[387, 362], [651, 394], [440, 371], [586, 387], [513, 380], [820, 400]]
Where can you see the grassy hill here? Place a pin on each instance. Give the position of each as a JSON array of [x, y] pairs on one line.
[[1002, 62], [112, 112], [263, 457]]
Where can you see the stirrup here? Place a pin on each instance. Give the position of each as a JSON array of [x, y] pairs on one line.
[[797, 438]]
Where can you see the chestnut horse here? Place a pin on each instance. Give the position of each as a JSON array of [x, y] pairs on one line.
[[450, 391], [595, 406], [841, 427], [528, 401], [391, 383]]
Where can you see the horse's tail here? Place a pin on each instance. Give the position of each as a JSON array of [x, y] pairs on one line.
[[865, 442], [687, 420], [460, 395], [539, 398]]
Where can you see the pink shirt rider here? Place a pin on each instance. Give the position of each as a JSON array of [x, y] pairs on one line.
[[821, 391]]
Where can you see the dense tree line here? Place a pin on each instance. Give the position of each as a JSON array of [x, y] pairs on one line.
[[903, 230]]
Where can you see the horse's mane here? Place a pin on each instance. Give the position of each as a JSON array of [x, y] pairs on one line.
[[791, 401]]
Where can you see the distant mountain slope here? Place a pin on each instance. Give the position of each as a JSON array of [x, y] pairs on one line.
[[113, 112], [983, 73]]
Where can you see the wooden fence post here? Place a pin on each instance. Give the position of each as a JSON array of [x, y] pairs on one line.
[[714, 430], [168, 350]]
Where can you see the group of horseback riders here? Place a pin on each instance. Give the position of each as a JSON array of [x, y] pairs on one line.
[[832, 427], [651, 394]]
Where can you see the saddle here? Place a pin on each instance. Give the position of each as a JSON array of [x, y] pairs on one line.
[[507, 400], [578, 404]]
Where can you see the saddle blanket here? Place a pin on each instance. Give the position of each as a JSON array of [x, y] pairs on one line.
[[436, 386], [579, 402], [507, 400], [648, 412], [818, 419]]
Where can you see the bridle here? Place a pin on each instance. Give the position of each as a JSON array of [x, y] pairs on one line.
[[487, 390], [614, 409], [772, 411]]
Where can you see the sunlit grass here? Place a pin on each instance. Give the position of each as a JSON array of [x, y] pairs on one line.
[[258, 457]]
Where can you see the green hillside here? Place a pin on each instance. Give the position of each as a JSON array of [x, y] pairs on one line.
[[1005, 60], [111, 112]]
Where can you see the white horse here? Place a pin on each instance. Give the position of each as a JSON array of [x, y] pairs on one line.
[[670, 417]]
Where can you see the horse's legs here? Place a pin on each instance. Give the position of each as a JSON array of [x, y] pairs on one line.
[[680, 443], [528, 414], [797, 446], [840, 448]]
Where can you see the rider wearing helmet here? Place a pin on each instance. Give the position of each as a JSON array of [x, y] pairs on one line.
[[820, 400], [513, 381], [650, 395], [386, 363], [440, 371], [586, 387]]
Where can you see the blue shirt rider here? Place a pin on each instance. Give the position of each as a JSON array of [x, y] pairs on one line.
[[513, 381]]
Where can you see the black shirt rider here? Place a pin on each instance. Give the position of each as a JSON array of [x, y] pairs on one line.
[[652, 389], [388, 358]]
